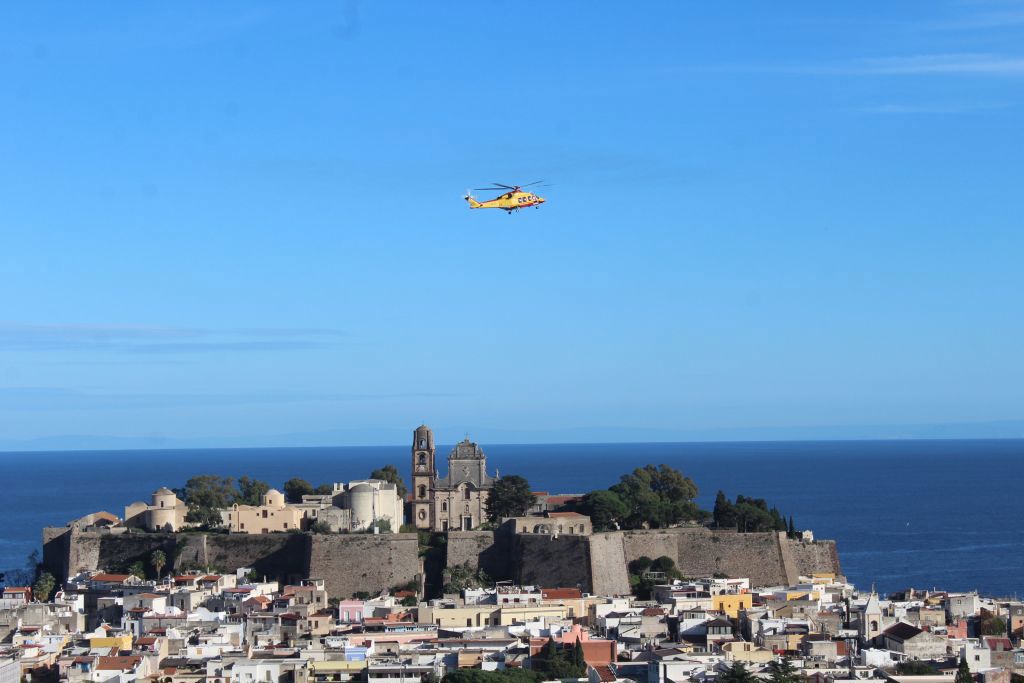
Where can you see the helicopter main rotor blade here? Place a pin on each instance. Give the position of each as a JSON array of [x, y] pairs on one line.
[[533, 183]]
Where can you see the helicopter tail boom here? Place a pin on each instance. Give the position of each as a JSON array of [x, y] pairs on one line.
[[473, 204]]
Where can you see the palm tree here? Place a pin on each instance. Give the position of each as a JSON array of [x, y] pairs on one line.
[[158, 559]]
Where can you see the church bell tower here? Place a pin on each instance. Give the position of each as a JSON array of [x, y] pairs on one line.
[[424, 473]]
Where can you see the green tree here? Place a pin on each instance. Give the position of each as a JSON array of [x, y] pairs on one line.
[[158, 559], [511, 675], [737, 673], [324, 490], [992, 625], [578, 659], [138, 569], [557, 663], [250, 491], [963, 673], [206, 495], [44, 586], [724, 513], [510, 496], [294, 489], [783, 671], [461, 577], [320, 527], [657, 497], [390, 473], [605, 509]]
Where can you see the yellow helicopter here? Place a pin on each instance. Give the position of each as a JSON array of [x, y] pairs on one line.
[[512, 199]]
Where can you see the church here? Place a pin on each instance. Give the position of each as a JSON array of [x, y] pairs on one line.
[[457, 500]]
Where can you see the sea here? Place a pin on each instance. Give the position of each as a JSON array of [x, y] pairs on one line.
[[941, 514]]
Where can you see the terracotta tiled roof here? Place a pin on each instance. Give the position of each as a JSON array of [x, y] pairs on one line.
[[118, 663], [561, 593], [110, 578]]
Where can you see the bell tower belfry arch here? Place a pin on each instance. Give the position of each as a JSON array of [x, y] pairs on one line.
[[424, 474]]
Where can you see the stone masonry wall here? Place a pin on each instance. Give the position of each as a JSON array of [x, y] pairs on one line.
[[817, 556], [702, 552], [351, 563], [347, 562], [552, 561], [609, 575], [490, 551]]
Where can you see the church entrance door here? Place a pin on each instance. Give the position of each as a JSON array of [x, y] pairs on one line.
[[467, 523]]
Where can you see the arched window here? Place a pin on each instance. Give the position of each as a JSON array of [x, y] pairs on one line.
[[423, 491], [874, 625], [423, 459], [468, 493], [444, 506]]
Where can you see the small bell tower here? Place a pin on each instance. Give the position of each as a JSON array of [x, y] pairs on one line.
[[424, 474]]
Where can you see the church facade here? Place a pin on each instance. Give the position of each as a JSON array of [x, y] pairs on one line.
[[457, 500]]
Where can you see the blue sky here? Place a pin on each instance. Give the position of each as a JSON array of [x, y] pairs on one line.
[[240, 220]]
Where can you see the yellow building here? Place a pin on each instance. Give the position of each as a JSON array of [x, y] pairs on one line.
[[478, 616], [731, 605], [273, 515], [123, 643], [747, 653]]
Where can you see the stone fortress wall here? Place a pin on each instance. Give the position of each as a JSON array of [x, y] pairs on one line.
[[350, 563]]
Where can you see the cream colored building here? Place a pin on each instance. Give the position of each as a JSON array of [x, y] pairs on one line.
[[166, 513], [273, 515], [478, 616], [369, 500]]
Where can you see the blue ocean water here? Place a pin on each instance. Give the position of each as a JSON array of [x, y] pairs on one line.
[[904, 513]]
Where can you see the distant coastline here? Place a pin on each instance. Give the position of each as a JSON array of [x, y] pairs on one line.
[[356, 438]]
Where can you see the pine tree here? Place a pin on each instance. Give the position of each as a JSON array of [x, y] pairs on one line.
[[783, 672], [963, 673], [577, 655], [792, 529], [737, 673]]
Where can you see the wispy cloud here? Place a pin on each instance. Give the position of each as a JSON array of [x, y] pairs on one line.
[[949, 64], [35, 399], [146, 339], [893, 108], [997, 19]]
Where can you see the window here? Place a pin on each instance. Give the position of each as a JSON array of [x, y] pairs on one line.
[[423, 491], [264, 514], [444, 506], [468, 493]]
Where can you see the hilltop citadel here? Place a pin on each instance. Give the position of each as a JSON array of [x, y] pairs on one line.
[[356, 582]]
